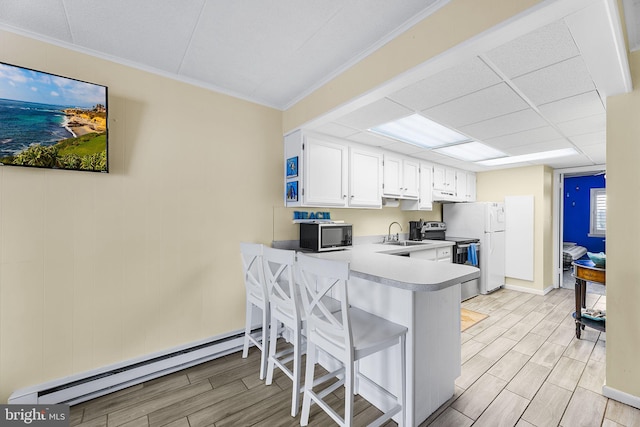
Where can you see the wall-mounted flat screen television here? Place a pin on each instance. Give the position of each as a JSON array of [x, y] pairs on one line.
[[50, 121]]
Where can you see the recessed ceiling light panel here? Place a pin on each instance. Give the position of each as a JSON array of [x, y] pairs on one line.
[[419, 131], [553, 154], [470, 151]]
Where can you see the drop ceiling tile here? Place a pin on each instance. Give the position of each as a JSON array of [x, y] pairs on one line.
[[163, 42], [584, 125], [431, 156], [51, 19], [597, 153], [452, 83], [403, 148], [505, 125], [473, 167], [454, 163], [372, 139], [538, 49], [374, 114], [588, 139], [336, 129], [484, 104], [219, 35], [569, 161], [326, 43], [278, 51], [531, 136], [539, 147], [558, 81], [575, 107]]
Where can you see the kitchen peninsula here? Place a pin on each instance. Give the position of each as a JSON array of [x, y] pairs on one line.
[[422, 295]]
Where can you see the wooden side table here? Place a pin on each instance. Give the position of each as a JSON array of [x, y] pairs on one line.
[[586, 271]]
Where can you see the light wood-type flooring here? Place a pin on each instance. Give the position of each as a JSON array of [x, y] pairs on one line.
[[522, 366]]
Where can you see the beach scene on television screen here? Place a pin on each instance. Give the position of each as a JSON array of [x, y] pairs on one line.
[[50, 121]]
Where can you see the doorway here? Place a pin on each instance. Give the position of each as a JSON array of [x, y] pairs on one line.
[[579, 221]]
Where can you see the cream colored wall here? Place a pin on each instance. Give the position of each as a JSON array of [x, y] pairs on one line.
[[623, 234], [533, 180], [100, 268], [366, 222]]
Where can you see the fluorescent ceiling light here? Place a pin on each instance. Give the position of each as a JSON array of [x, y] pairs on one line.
[[529, 157], [470, 151], [420, 131]]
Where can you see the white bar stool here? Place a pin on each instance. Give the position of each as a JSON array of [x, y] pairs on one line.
[[347, 335], [285, 309], [256, 289]]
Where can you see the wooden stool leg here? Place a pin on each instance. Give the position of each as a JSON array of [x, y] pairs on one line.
[[578, 301]]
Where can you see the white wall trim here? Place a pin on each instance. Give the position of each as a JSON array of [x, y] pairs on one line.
[[529, 290], [621, 396]]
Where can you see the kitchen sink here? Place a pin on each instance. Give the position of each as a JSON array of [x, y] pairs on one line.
[[406, 243]]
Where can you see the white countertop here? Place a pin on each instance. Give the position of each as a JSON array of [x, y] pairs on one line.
[[387, 248], [376, 263]]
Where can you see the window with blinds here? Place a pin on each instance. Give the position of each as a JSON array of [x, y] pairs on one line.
[[598, 217]]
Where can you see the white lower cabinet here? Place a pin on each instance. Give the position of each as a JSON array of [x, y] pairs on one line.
[[442, 254], [428, 254]]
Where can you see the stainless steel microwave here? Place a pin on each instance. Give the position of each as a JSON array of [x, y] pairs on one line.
[[320, 237]]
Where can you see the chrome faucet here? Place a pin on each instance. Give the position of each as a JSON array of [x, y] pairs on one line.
[[389, 237]]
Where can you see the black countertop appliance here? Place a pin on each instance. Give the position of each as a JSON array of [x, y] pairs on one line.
[[415, 230]]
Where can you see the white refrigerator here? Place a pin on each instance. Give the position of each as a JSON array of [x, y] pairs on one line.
[[484, 221]]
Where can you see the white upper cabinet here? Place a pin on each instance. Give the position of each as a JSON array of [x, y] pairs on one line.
[[316, 172], [471, 186], [322, 171], [400, 177], [325, 173], [425, 191], [330, 173], [444, 183], [392, 176], [426, 187], [411, 178], [461, 185], [465, 186], [365, 178]]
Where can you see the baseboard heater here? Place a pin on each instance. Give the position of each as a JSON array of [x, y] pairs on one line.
[[89, 385]]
